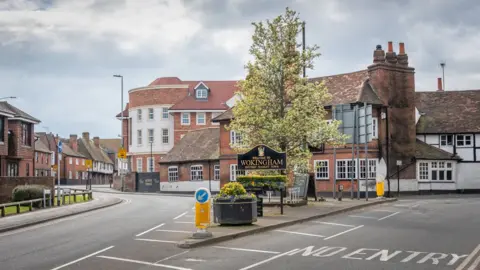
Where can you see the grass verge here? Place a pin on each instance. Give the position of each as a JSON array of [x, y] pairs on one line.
[[12, 210]]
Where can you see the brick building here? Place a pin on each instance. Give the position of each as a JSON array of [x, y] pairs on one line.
[[43, 159], [110, 148], [16, 141], [102, 171]]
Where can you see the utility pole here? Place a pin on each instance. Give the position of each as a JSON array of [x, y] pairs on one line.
[[151, 156], [443, 64], [121, 128]]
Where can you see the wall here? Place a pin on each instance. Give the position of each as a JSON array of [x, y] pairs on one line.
[[7, 184], [43, 162], [184, 184], [25, 152], [182, 129], [4, 142], [190, 186], [465, 152], [129, 182], [157, 158], [468, 175]]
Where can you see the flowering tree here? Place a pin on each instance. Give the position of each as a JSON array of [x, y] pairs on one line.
[[278, 107]]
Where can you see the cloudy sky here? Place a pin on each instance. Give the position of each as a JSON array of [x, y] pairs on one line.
[[58, 56]]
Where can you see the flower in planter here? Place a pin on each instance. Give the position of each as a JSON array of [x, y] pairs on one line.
[[234, 191]]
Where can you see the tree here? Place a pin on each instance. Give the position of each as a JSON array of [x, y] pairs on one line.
[[278, 107]]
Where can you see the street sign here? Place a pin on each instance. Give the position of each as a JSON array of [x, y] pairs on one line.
[[55, 167], [122, 153], [88, 163], [399, 163], [202, 208], [60, 146]]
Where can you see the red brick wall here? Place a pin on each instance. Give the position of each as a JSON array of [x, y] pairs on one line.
[[25, 152], [65, 167], [157, 158], [43, 162], [180, 129], [4, 143], [129, 182], [184, 170], [7, 184], [125, 134]]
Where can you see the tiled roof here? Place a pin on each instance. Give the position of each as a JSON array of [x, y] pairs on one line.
[[4, 109], [125, 112], [112, 145], [220, 92], [196, 145], [89, 150], [227, 115], [17, 112], [448, 111], [41, 147], [166, 81], [426, 151], [48, 140], [68, 151]]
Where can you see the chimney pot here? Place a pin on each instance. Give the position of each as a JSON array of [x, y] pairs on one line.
[[96, 141], [379, 47], [402, 48], [86, 136], [378, 55], [439, 85], [390, 47]]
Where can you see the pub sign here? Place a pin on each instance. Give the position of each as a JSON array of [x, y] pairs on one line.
[[262, 157]]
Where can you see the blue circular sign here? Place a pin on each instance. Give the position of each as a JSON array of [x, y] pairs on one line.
[[202, 195]]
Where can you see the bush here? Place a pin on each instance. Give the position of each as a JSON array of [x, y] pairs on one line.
[[273, 182], [233, 190], [27, 192]]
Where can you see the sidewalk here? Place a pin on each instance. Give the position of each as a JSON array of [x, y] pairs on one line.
[[44, 215], [273, 220]]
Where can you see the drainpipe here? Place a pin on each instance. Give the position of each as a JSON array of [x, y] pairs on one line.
[[388, 151], [33, 158]]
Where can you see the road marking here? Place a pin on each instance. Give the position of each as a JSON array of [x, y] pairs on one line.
[[250, 250], [149, 230], [362, 217], [194, 260], [391, 215], [185, 222], [155, 240], [83, 258], [268, 260], [338, 234], [173, 256], [469, 258], [300, 233], [335, 224], [144, 263], [174, 231], [381, 210], [179, 216], [475, 264]]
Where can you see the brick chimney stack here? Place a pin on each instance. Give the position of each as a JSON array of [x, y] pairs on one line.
[[86, 136], [73, 142], [391, 56], [439, 85], [379, 55], [96, 141], [402, 56]]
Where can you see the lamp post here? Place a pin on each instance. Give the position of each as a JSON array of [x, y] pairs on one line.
[[121, 123], [151, 156]]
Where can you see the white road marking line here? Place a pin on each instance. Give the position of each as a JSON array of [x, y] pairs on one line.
[[149, 230], [179, 216], [300, 233], [362, 217], [174, 231], [83, 258], [185, 222], [415, 205], [335, 224], [250, 250], [195, 260], [269, 259], [144, 263], [469, 258], [475, 263], [335, 235], [155, 240], [381, 210], [173, 256], [391, 215]]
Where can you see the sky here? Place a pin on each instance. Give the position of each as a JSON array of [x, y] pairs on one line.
[[58, 57]]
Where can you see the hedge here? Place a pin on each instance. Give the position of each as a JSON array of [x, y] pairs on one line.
[[27, 192], [267, 181]]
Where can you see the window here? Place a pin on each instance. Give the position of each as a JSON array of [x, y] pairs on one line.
[[151, 114], [165, 136], [446, 140], [216, 172], [423, 170], [12, 169], [321, 169], [76, 161], [196, 172], [201, 93], [130, 131], [69, 174], [172, 174], [165, 113], [464, 140], [234, 172], [441, 170], [139, 137], [139, 115], [26, 134], [151, 136], [215, 114], [2, 129], [374, 127], [36, 156], [346, 169], [185, 118], [139, 165], [372, 169], [83, 162], [70, 161], [200, 118], [77, 175], [236, 138], [151, 166]]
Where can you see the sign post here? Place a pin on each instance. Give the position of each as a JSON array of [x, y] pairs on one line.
[[60, 147], [88, 164], [399, 164], [202, 213], [122, 155]]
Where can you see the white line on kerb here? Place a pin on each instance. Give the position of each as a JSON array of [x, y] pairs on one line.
[[185, 222], [335, 224], [179, 216], [391, 215], [83, 258], [469, 258], [155, 240], [174, 231], [269, 259], [250, 250], [362, 217], [149, 230], [335, 235], [144, 263], [300, 233]]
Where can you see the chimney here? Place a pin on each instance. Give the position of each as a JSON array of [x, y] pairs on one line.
[[96, 141], [391, 56], [86, 136], [402, 56], [73, 142], [439, 85]]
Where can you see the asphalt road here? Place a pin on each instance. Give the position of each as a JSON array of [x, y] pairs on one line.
[[420, 233]]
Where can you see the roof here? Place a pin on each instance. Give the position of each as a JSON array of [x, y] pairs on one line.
[[219, 93], [89, 150], [125, 112], [227, 115], [68, 151], [448, 111], [48, 140], [41, 147], [17, 113], [4, 110], [112, 145], [426, 151], [196, 145]]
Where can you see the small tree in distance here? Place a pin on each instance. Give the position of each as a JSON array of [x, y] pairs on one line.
[[278, 107]]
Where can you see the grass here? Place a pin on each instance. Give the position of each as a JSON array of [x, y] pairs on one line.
[[12, 210]]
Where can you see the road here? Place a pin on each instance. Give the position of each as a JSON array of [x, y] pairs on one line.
[[419, 233]]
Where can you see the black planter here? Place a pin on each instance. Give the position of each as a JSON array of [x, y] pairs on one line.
[[238, 212]]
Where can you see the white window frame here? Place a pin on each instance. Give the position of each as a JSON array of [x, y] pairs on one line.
[[372, 169], [196, 172], [83, 162], [215, 114], [77, 175], [430, 171], [151, 114], [444, 140], [139, 162], [320, 173], [423, 171], [76, 161], [236, 138], [173, 174], [204, 118], [349, 167], [151, 135], [70, 175], [216, 172], [70, 160], [165, 138], [374, 127], [139, 137], [234, 172], [464, 140], [165, 112], [139, 115], [186, 123], [150, 164], [201, 93]]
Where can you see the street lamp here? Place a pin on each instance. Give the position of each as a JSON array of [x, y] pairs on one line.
[[121, 120], [12, 97], [151, 155]]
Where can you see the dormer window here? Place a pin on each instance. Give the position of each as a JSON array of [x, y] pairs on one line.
[[201, 93]]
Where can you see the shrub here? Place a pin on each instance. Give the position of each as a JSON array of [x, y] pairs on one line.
[[233, 190], [27, 192], [268, 181]]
